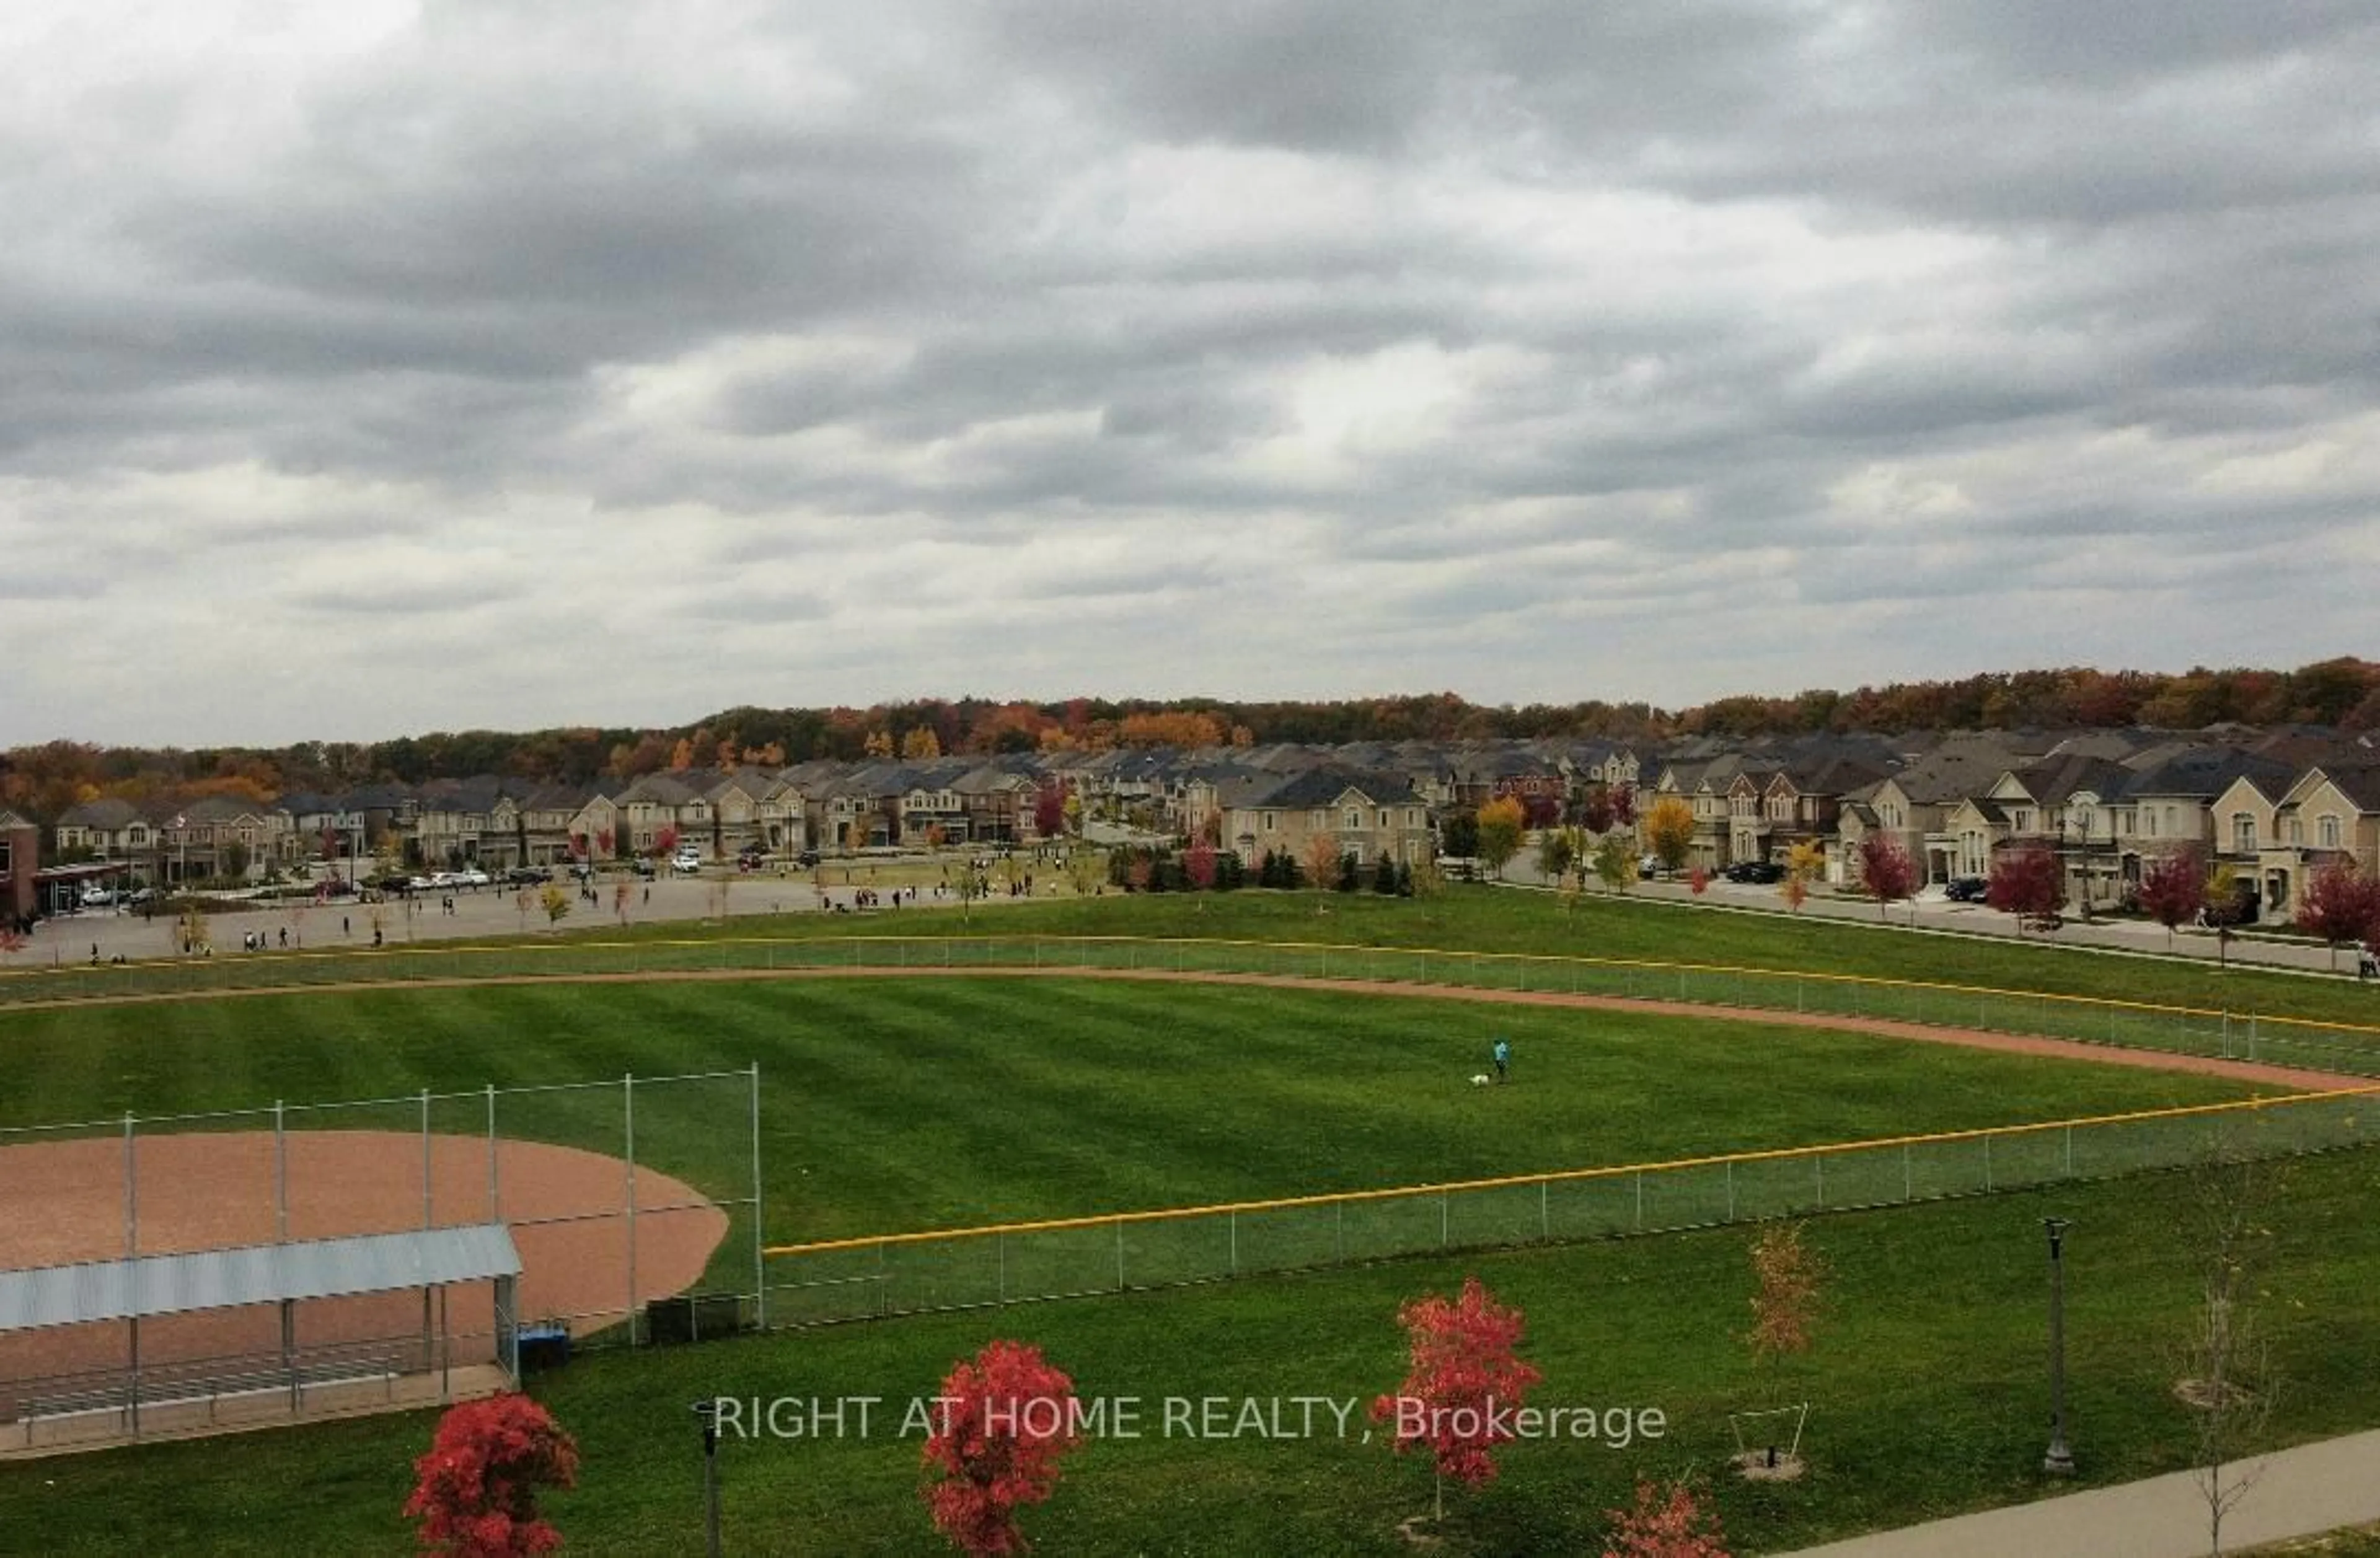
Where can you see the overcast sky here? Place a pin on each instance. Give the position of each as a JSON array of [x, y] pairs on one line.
[[381, 367]]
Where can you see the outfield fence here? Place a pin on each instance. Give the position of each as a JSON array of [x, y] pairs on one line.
[[851, 1279], [2345, 1048]]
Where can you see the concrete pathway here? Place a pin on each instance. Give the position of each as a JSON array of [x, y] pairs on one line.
[[2300, 1492]]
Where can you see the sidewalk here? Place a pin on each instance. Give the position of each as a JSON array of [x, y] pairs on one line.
[[2299, 1492]]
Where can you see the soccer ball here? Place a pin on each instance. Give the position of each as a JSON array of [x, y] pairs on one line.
[[1481, 1080]]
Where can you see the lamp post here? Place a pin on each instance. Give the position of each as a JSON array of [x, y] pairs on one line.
[[707, 1410], [2059, 1461]]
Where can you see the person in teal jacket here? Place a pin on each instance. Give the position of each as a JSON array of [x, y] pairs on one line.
[[1502, 1054]]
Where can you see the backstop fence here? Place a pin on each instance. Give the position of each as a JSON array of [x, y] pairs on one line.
[[636, 1205], [2348, 1048], [851, 1279]]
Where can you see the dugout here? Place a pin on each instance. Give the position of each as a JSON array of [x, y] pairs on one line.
[[170, 1346]]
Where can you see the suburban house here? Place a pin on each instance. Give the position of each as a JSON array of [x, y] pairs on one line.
[[1371, 816], [1914, 805], [2242, 817], [997, 803]]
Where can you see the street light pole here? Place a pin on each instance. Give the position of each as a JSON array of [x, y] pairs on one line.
[[2059, 1461], [707, 1410]]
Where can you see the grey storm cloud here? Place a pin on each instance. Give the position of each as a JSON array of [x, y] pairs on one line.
[[525, 364]]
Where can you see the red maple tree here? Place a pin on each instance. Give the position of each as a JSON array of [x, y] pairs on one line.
[[1886, 873], [2341, 904], [2025, 881], [1049, 811], [2173, 888], [475, 1492], [1665, 1523], [1005, 1419], [1198, 865], [1465, 1384], [1623, 805], [665, 840]]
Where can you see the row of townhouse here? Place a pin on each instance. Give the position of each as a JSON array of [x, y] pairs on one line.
[[498, 823], [2276, 806], [2276, 821]]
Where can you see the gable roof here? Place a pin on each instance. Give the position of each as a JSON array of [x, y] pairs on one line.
[[1323, 786]]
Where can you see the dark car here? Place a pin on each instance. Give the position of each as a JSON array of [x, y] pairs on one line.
[[807, 858], [643, 867], [528, 876], [1965, 889]]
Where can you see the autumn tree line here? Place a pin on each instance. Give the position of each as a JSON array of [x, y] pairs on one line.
[[43, 780]]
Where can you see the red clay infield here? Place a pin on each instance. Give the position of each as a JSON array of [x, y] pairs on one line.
[[64, 1203]]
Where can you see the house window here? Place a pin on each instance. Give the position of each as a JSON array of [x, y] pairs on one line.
[[1267, 822], [2327, 830], [2243, 833], [1384, 819], [2022, 821], [1354, 821], [2297, 829], [2148, 823]]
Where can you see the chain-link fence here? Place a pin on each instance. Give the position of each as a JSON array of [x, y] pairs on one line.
[[906, 1273], [635, 1204]]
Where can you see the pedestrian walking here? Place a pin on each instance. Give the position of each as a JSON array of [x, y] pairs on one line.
[[1501, 1053]]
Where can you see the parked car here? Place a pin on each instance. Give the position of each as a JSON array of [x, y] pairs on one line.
[[687, 858], [807, 858], [1965, 889], [528, 876], [97, 897], [471, 876], [642, 866]]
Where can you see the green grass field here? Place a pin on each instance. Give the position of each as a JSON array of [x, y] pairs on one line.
[[893, 1104], [1925, 1383], [904, 1103]]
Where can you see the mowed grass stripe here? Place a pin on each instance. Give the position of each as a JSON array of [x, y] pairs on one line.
[[903, 1103]]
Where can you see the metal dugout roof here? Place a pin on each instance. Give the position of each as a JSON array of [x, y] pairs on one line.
[[146, 1285]]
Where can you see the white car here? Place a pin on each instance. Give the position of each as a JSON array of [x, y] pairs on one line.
[[97, 897], [471, 876], [686, 860]]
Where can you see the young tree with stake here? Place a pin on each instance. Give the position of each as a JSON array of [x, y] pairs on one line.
[[1464, 1383]]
